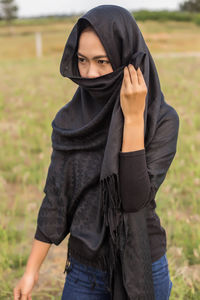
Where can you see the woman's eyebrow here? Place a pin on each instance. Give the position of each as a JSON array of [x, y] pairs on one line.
[[95, 57]]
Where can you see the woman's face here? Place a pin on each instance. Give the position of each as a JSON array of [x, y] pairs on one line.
[[92, 58]]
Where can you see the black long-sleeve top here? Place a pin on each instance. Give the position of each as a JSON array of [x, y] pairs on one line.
[[134, 180], [134, 189]]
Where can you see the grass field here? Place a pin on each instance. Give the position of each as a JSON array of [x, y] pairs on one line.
[[31, 92]]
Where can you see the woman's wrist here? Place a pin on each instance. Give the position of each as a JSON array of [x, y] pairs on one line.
[[31, 270], [134, 119], [31, 273], [37, 256], [133, 127]]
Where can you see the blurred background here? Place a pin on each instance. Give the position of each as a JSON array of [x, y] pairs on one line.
[[32, 39]]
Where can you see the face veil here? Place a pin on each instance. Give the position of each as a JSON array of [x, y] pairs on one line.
[[83, 176]]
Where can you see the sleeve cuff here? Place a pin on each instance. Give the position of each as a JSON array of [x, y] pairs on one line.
[[41, 237], [132, 153]]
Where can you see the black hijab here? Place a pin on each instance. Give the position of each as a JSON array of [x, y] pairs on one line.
[[82, 186]]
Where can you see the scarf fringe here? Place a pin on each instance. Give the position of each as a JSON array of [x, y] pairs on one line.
[[111, 211]]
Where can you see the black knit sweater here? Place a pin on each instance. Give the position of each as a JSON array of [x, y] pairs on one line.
[[134, 187]]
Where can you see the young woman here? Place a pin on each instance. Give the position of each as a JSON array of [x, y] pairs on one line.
[[112, 146]]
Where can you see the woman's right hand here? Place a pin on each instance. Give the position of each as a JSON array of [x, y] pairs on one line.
[[23, 289]]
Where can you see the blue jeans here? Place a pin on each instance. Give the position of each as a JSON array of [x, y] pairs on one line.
[[87, 283]]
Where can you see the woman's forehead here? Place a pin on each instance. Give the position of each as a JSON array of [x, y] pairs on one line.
[[90, 45]]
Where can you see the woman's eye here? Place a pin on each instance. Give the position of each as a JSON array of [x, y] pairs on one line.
[[102, 61], [81, 59]]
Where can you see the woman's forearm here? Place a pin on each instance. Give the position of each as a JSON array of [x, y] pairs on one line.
[[133, 134], [38, 253]]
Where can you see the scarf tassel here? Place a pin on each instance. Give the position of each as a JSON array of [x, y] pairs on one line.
[[111, 211]]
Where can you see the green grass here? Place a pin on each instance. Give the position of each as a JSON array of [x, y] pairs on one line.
[[28, 105], [165, 15], [31, 92], [179, 196]]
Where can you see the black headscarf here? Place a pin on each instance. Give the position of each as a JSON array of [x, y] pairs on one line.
[[82, 186]]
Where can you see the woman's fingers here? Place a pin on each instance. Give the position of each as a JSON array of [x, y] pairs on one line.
[[16, 293], [133, 74], [126, 78], [132, 79]]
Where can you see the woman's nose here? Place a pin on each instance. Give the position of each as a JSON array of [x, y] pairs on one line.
[[92, 72]]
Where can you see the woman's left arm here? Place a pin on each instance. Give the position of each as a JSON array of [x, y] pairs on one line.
[[141, 170], [134, 179]]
